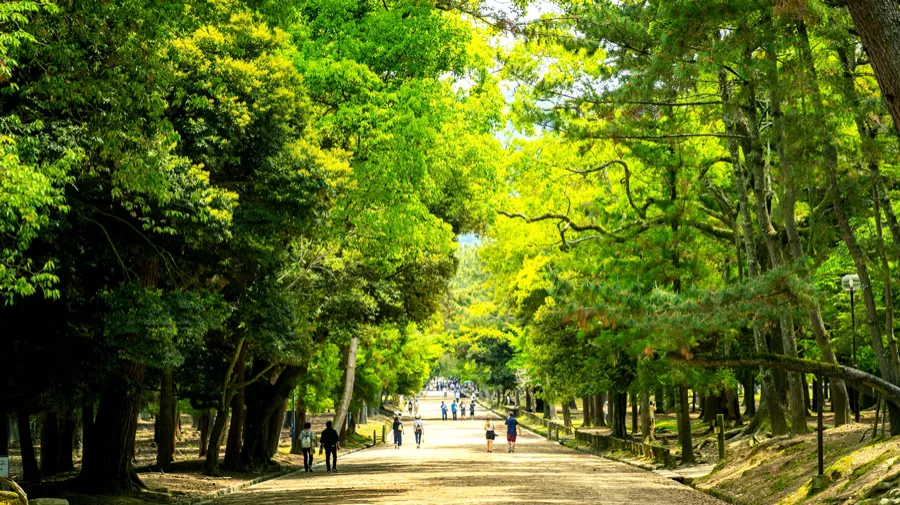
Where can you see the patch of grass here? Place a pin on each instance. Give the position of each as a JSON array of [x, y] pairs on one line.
[[780, 484], [861, 470]]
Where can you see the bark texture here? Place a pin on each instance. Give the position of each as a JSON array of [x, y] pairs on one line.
[[165, 421], [30, 467], [878, 25], [233, 445], [340, 416], [647, 419], [684, 427], [107, 464]]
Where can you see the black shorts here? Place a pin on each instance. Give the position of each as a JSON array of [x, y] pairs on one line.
[[490, 435]]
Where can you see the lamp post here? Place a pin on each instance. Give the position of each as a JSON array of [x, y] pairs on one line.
[[850, 282]]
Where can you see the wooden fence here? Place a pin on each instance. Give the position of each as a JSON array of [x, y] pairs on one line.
[[661, 455]]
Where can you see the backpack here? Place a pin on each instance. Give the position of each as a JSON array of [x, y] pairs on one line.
[[306, 439], [418, 425]]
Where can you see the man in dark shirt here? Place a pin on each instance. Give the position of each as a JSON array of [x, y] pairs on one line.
[[330, 441], [512, 431]]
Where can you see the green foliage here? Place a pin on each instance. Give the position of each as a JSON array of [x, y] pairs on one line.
[[153, 326]]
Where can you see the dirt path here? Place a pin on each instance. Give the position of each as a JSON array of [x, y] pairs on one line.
[[452, 467]]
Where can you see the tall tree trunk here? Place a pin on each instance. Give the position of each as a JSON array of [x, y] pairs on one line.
[[300, 420], [888, 293], [87, 427], [774, 410], [660, 395], [211, 465], [788, 205], [878, 25], [340, 415], [617, 412], [684, 427], [263, 400], [106, 467], [165, 421], [233, 446], [634, 414], [586, 412], [567, 414], [276, 425], [49, 444], [647, 418], [29, 459], [65, 455], [203, 423], [551, 409], [597, 410], [755, 160], [748, 381]]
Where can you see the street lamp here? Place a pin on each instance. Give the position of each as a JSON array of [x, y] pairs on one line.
[[850, 282]]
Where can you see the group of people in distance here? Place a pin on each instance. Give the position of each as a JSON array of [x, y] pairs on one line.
[[513, 430], [453, 408], [329, 442]]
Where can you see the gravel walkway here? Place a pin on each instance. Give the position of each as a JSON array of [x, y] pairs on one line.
[[453, 468]]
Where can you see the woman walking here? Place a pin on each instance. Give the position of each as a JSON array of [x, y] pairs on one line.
[[489, 433], [398, 432], [419, 430]]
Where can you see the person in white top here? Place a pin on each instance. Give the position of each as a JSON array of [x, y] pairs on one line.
[[489, 433]]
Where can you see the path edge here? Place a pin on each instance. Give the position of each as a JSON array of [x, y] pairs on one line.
[[211, 497]]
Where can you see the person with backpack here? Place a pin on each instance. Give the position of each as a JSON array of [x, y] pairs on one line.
[[330, 442], [489, 433], [398, 432], [472, 409], [462, 409], [419, 430], [443, 411], [308, 442]]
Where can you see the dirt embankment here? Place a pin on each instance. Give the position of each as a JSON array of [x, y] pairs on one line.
[[769, 471]]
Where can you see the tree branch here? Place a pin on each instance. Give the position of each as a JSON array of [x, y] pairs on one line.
[[890, 391]]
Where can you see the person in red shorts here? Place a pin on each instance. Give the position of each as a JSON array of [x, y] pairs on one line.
[[512, 431]]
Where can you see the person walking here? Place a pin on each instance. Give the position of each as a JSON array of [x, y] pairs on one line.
[[512, 431], [308, 442], [453, 408], [472, 409], [462, 410], [443, 411], [419, 430], [409, 407], [489, 433], [398, 432], [330, 441]]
